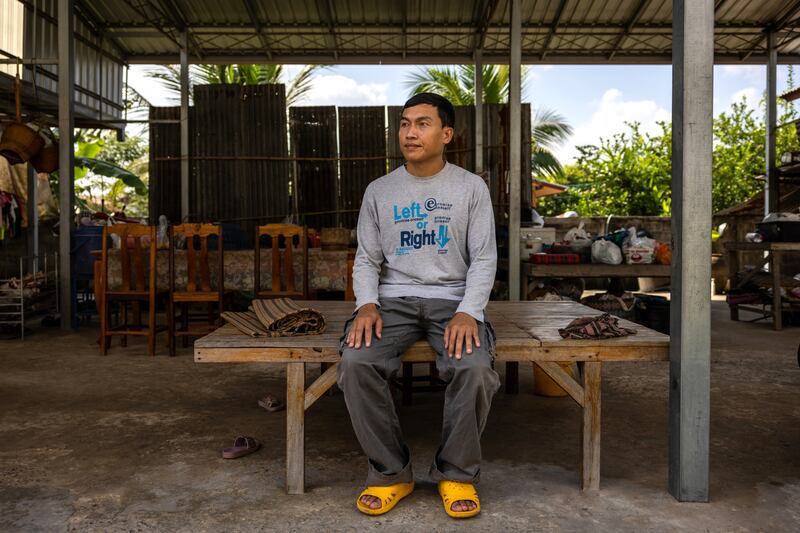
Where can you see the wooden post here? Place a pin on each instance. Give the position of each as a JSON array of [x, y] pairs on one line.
[[295, 428], [590, 465], [690, 313]]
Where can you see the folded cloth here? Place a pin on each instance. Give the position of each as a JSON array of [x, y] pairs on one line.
[[277, 318], [603, 326], [247, 323]]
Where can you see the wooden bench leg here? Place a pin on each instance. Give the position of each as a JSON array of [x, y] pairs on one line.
[[295, 428], [590, 467], [512, 378]]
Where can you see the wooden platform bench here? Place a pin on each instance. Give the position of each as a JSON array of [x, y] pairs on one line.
[[526, 332]]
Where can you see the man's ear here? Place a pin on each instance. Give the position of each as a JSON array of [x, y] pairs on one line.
[[448, 134]]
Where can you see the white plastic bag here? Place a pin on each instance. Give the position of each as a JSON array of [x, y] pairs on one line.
[[638, 250], [577, 234], [606, 252]]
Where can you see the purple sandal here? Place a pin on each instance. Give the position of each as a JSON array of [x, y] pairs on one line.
[[241, 446], [271, 403]]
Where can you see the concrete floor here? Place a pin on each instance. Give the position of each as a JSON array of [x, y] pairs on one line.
[[128, 442]]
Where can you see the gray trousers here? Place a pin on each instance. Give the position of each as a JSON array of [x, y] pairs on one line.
[[364, 376]]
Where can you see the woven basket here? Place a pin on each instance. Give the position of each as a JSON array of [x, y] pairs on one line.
[[20, 143], [47, 159]]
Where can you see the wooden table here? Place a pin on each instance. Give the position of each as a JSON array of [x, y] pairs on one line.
[[774, 253], [590, 270], [526, 332]]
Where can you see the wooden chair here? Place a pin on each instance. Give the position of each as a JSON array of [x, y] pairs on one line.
[[194, 293], [276, 232], [133, 288]]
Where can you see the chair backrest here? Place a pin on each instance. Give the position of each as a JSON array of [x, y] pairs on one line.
[[198, 234], [132, 271], [287, 232]]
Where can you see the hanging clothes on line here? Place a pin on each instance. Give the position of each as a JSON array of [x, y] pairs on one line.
[[10, 216]]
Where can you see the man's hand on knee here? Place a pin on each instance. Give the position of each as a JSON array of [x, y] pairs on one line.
[[367, 318], [460, 332]]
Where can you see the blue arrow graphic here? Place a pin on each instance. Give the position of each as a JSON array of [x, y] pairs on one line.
[[443, 238]]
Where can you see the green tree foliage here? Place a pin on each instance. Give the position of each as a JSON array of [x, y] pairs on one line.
[[202, 74], [630, 174], [457, 84]]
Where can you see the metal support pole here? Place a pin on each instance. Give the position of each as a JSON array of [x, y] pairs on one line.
[[184, 125], [33, 220], [690, 313], [514, 150], [772, 187], [478, 111], [66, 156]]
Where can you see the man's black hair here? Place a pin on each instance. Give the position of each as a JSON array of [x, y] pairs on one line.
[[446, 112]]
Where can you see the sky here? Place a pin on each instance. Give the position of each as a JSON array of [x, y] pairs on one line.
[[595, 100]]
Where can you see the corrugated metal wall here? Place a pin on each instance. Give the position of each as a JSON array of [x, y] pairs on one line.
[[313, 134], [241, 169], [165, 167], [241, 159], [98, 67], [362, 145]]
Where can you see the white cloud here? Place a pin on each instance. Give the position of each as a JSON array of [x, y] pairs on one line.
[[610, 117], [750, 94], [744, 71], [340, 90]]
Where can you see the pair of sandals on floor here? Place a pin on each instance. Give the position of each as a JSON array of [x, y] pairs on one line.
[[450, 491]]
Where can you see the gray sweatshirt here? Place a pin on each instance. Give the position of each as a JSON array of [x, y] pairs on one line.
[[430, 237]]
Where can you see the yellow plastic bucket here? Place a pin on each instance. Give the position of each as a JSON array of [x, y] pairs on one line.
[[543, 385]]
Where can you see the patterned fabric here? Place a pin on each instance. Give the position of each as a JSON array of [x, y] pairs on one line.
[[595, 327], [327, 269], [277, 318]]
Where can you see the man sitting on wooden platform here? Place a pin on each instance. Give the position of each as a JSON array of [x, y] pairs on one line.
[[425, 267]]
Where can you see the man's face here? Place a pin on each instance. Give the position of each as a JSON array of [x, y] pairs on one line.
[[422, 135]]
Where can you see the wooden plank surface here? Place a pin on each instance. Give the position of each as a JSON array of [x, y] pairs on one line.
[[526, 331], [763, 246], [596, 270]]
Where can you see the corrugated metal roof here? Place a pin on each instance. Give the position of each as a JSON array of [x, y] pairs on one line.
[[434, 31]]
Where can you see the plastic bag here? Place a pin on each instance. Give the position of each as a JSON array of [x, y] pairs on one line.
[[606, 252], [663, 254], [163, 232], [577, 234], [638, 250]]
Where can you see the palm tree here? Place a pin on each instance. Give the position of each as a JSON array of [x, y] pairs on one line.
[[458, 84], [548, 128], [200, 74]]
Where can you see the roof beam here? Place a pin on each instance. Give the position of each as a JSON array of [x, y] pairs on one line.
[[787, 16], [179, 21], [553, 27], [326, 13], [778, 25], [629, 26], [251, 12], [555, 57], [484, 22]]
